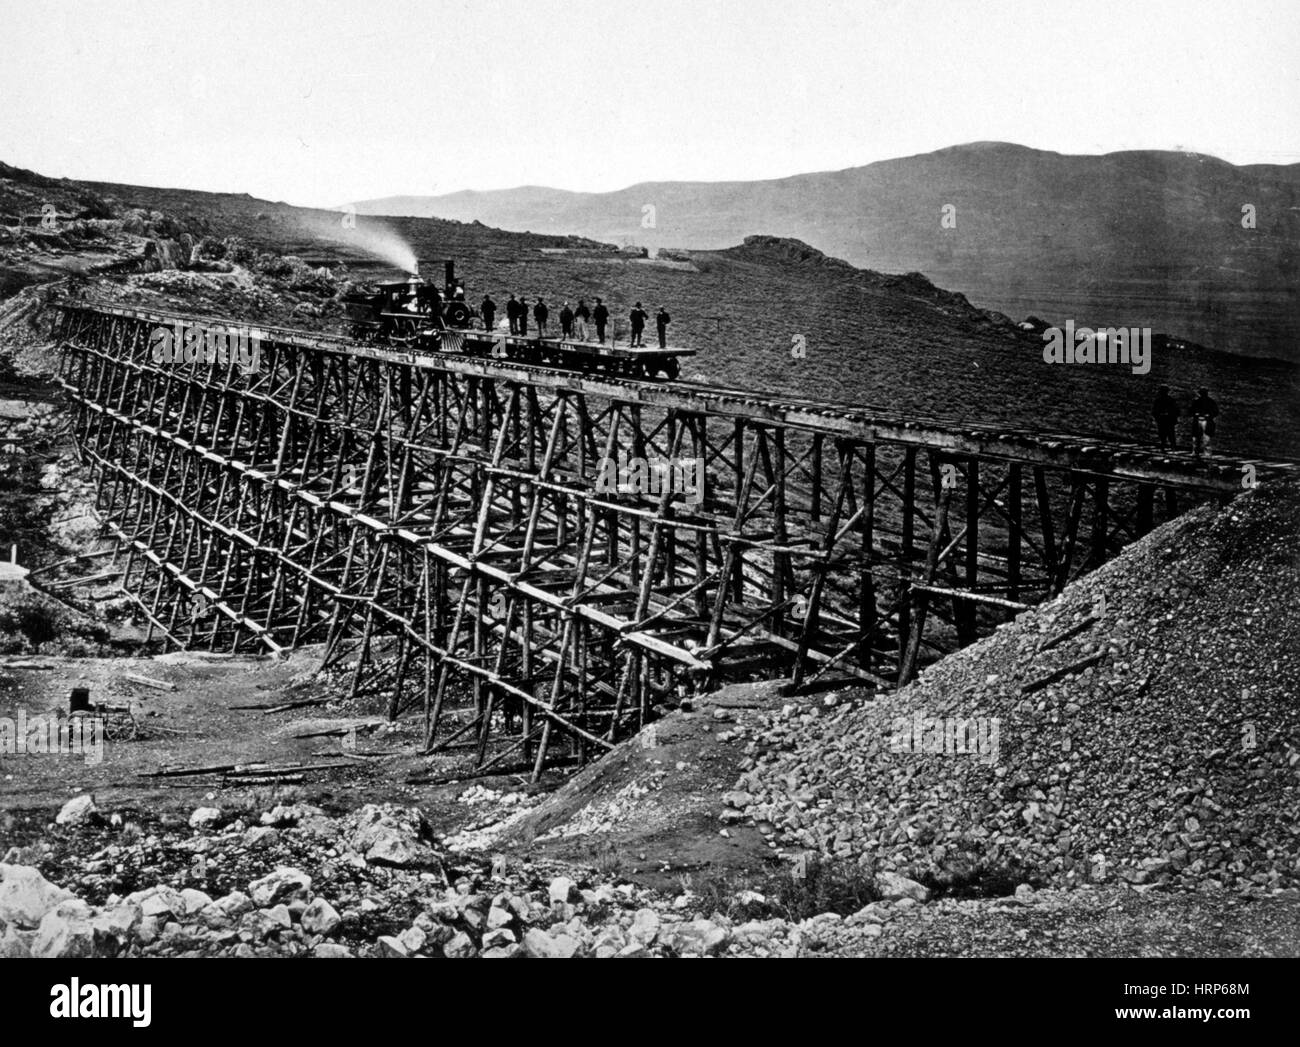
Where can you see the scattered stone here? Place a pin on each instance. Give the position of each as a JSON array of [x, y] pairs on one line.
[[541, 945], [66, 932], [26, 896], [281, 885], [391, 947], [698, 938], [77, 812], [645, 926], [562, 890], [461, 946], [320, 917], [893, 886]]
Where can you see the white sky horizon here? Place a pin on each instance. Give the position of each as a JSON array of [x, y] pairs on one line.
[[318, 104]]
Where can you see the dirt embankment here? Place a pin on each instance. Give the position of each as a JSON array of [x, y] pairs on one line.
[[1144, 726]]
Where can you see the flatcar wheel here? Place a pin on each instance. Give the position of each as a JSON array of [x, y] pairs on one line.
[[673, 369]]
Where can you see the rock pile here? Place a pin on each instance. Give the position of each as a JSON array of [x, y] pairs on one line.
[[1145, 725], [366, 884]]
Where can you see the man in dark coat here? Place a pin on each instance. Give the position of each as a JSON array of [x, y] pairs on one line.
[[1165, 412], [489, 309], [601, 315], [638, 318], [566, 322], [662, 321], [512, 315], [540, 313]]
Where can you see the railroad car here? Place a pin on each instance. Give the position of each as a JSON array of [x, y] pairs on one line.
[[416, 314]]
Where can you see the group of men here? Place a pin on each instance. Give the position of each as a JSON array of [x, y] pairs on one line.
[[573, 322], [1203, 411]]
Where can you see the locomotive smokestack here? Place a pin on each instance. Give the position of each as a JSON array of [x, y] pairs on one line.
[[451, 275]]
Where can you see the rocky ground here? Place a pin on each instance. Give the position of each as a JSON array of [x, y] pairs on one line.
[[296, 882], [1134, 792], [1139, 801], [1148, 729]]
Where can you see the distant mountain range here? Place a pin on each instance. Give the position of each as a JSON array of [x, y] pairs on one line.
[[1141, 238]]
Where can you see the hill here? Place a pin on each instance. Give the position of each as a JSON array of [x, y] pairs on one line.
[[896, 342], [1141, 238]]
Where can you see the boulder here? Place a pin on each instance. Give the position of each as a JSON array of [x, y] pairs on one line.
[[66, 932], [698, 938], [282, 885], [391, 947], [15, 944], [161, 902], [26, 896], [386, 835], [114, 928], [413, 939], [320, 917], [645, 926], [260, 836], [194, 901], [234, 904], [562, 890], [77, 811], [460, 946], [893, 886], [539, 944]]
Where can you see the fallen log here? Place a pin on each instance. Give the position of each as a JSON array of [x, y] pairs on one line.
[[148, 681], [67, 583], [1070, 633], [1062, 673], [250, 770]]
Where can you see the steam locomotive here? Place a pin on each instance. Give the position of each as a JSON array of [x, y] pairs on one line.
[[416, 314], [411, 311]]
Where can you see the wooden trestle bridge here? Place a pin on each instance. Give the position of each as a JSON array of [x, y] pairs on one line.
[[434, 521]]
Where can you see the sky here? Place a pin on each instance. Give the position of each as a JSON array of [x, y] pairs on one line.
[[330, 102]]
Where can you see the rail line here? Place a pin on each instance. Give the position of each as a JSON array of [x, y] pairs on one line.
[[436, 521]]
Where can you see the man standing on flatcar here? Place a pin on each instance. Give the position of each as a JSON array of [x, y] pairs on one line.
[[601, 315], [1165, 412], [566, 322], [580, 317], [489, 309], [512, 315], [540, 313], [523, 315], [662, 321], [638, 318]]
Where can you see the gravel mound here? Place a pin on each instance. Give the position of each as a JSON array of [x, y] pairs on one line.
[[1145, 726]]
